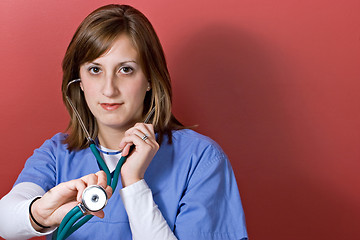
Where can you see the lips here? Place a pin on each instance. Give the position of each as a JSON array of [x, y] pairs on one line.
[[110, 106]]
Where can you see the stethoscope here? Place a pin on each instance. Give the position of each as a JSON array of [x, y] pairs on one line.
[[94, 197]]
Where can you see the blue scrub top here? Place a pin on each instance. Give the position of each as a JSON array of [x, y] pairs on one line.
[[191, 180]]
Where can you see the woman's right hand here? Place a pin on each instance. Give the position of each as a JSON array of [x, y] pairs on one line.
[[51, 208]]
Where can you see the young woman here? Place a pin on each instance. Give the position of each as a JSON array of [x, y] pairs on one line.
[[175, 183]]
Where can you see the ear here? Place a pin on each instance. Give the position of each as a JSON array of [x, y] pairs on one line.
[[81, 86]]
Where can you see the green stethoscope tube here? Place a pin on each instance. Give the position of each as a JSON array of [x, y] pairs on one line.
[[75, 215], [65, 231]]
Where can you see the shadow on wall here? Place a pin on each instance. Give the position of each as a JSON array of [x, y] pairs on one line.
[[224, 80], [240, 90]]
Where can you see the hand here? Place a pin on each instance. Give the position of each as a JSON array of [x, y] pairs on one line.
[[139, 159], [51, 208]]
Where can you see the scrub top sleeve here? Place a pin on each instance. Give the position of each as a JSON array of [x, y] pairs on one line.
[[211, 207], [40, 168]]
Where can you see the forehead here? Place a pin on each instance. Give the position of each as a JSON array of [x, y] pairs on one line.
[[122, 47]]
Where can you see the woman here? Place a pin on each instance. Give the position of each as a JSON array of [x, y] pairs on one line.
[[175, 183]]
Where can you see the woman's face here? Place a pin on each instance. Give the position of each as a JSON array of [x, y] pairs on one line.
[[114, 86]]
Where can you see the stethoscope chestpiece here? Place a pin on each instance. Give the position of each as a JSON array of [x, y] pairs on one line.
[[94, 198]]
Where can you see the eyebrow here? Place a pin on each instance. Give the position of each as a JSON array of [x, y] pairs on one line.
[[120, 63]]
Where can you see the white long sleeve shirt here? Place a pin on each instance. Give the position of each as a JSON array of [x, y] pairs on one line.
[[191, 181], [146, 220]]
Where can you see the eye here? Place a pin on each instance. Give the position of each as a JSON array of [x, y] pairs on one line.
[[126, 70], [94, 70]]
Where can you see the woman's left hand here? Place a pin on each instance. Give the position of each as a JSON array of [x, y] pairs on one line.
[[139, 159]]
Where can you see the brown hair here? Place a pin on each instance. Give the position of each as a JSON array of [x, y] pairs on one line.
[[94, 37]]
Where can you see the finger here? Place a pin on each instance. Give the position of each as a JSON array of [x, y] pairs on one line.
[[99, 214], [79, 186], [143, 135], [146, 127], [126, 150], [101, 179], [148, 131], [64, 192], [90, 179], [143, 139], [109, 191], [138, 143]]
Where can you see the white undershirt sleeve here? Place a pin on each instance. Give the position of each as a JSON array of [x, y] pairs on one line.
[[145, 218], [14, 208]]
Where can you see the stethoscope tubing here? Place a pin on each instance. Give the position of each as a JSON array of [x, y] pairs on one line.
[[75, 215], [68, 228]]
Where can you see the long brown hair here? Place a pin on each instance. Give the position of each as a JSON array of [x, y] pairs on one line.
[[93, 38]]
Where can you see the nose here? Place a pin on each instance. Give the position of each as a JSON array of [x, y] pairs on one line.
[[110, 88]]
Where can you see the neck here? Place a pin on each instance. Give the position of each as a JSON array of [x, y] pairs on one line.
[[110, 138]]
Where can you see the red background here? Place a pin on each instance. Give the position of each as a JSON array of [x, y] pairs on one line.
[[275, 83]]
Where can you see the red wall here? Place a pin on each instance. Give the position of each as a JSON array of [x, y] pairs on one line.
[[276, 83]]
